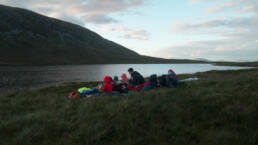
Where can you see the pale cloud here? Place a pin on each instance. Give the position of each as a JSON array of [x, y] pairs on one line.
[[127, 33], [99, 19], [237, 36], [79, 11], [212, 50], [138, 34], [222, 7], [225, 48], [216, 23], [236, 6], [196, 1]]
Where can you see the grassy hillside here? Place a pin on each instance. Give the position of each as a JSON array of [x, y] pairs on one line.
[[32, 39], [219, 109], [249, 64]]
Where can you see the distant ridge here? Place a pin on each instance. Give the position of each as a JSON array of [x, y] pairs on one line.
[[28, 38]]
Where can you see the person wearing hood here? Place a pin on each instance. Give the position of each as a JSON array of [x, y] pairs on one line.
[[124, 79], [107, 86], [172, 79], [172, 73]]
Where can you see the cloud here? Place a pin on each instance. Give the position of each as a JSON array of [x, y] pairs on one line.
[[137, 34], [127, 33], [99, 19], [78, 11], [222, 7], [225, 48], [234, 25], [236, 6], [212, 50], [216, 23], [196, 1]]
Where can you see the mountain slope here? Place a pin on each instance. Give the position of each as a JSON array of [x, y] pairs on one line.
[[29, 38]]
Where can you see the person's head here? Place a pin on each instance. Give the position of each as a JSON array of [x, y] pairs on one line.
[[107, 79], [124, 78], [130, 70], [115, 78], [171, 72]]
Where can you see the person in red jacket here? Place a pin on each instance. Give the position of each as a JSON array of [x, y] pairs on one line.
[[125, 79], [172, 73], [107, 86]]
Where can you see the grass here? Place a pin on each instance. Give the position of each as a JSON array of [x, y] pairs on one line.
[[219, 109], [246, 64]]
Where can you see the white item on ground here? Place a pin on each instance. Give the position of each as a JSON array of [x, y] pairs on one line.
[[190, 79]]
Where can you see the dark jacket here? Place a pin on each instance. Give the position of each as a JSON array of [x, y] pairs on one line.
[[122, 88], [172, 81], [136, 79]]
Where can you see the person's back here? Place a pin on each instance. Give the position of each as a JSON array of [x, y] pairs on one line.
[[162, 80], [136, 82], [137, 79], [172, 79], [107, 86], [154, 81]]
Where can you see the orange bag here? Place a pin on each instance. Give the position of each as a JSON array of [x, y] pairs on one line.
[[74, 95]]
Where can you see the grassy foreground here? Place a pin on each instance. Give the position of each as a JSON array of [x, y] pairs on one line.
[[219, 109]]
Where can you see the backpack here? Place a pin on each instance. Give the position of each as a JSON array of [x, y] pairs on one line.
[[153, 81], [172, 81], [163, 80], [74, 95]]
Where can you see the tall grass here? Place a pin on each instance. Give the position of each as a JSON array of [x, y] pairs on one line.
[[221, 108]]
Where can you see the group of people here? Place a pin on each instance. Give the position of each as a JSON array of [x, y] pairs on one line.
[[135, 83]]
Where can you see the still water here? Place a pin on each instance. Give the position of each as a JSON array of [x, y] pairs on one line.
[[21, 77]]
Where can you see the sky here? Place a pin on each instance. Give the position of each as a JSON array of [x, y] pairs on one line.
[[221, 30]]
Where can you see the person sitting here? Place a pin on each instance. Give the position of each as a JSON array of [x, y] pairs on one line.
[[124, 79], [107, 86], [172, 73], [152, 83], [172, 79], [137, 81], [119, 86], [116, 81]]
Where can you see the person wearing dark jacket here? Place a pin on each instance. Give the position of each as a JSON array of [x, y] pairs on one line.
[[172, 79], [137, 80]]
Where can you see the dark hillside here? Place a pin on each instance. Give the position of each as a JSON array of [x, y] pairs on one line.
[[28, 38]]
